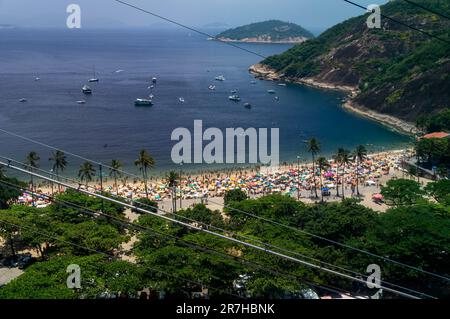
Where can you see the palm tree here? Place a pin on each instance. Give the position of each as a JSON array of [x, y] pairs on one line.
[[344, 159], [172, 180], [314, 148], [360, 155], [114, 171], [323, 165], [59, 160], [145, 162], [337, 160], [31, 162], [2, 172], [86, 172]]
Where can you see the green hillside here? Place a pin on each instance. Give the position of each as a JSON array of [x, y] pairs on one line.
[[398, 71], [273, 30]]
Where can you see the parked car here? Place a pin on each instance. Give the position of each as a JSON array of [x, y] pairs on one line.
[[25, 261]]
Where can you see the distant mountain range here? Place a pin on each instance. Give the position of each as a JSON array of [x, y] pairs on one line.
[[7, 26], [394, 71], [272, 31]]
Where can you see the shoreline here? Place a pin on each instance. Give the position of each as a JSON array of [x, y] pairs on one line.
[[392, 122], [256, 40], [153, 181]]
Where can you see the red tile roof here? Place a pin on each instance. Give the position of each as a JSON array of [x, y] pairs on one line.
[[437, 135]]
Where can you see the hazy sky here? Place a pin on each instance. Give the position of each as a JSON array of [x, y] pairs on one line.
[[312, 14]]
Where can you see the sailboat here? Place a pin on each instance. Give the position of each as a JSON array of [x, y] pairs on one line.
[[94, 79]]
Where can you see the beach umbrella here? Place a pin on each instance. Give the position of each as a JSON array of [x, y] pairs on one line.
[[377, 196]]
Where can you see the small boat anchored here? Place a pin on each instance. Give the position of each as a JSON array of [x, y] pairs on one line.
[[212, 87], [94, 79], [81, 102], [220, 78], [22, 100], [247, 105], [181, 99], [86, 89], [234, 97], [143, 102], [271, 91]]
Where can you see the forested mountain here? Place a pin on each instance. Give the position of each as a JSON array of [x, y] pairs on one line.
[[395, 70]]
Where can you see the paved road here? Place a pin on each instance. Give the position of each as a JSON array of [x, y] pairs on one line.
[[8, 274]]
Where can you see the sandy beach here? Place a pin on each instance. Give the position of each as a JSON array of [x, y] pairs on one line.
[[291, 179]]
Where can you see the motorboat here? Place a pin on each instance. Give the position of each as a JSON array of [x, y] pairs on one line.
[[143, 102], [234, 97], [86, 89]]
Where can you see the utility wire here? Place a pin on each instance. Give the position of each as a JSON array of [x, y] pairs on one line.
[[190, 243], [195, 245], [106, 254], [69, 153], [401, 23], [229, 233], [273, 222], [251, 215], [200, 229], [189, 28]]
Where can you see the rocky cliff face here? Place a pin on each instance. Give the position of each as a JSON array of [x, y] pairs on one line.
[[393, 70]]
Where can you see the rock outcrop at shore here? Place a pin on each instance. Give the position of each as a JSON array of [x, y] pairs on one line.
[[266, 39]]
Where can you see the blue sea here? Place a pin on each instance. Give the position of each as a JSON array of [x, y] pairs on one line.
[[109, 126]]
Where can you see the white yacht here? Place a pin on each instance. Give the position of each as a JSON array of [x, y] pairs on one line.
[[143, 102], [234, 97]]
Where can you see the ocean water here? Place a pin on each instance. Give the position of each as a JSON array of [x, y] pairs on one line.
[[109, 126]]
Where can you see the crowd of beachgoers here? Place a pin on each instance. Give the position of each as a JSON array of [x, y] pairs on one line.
[[297, 180]]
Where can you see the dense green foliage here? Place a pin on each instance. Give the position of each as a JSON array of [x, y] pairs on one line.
[[398, 71], [434, 152], [180, 261], [8, 194], [235, 195], [435, 123], [274, 29]]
